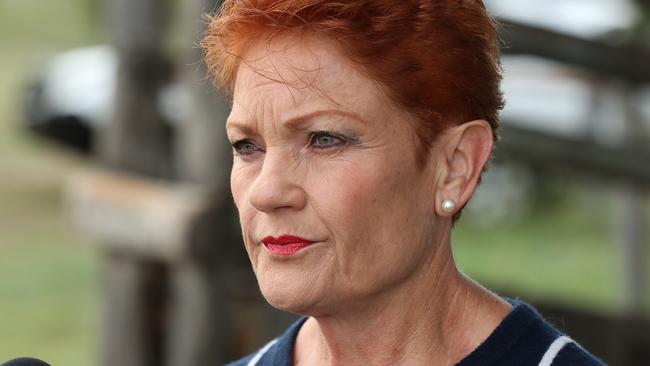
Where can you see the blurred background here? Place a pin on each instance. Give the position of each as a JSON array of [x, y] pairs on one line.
[[118, 243]]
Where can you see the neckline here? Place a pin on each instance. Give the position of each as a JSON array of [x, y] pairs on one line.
[[502, 338]]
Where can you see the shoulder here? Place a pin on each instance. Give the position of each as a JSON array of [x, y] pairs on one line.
[[242, 361], [525, 338], [256, 357], [571, 354], [278, 352], [557, 349]]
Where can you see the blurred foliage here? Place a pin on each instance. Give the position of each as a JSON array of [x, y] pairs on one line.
[[48, 281], [48, 285], [564, 251], [641, 31], [50, 25]]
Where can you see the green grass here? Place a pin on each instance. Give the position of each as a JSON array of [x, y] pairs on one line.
[[48, 274], [48, 281], [48, 24], [49, 299], [561, 255], [568, 251]]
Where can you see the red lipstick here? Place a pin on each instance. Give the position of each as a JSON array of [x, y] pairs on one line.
[[285, 245]]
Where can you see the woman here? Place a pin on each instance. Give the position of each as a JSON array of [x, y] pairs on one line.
[[360, 129]]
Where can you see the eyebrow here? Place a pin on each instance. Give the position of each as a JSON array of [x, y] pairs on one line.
[[295, 122]]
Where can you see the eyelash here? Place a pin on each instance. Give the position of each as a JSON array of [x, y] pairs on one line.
[[341, 140], [313, 136], [237, 147]]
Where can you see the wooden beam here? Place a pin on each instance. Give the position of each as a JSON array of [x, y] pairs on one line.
[[624, 62], [137, 215], [137, 140], [202, 317], [629, 162]]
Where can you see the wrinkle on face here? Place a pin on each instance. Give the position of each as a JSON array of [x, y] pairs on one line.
[[364, 198]]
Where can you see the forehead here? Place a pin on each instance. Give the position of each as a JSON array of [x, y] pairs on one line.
[[288, 74]]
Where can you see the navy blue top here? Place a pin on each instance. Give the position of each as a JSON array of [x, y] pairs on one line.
[[523, 338]]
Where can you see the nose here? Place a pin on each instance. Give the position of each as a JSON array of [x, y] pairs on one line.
[[278, 185]]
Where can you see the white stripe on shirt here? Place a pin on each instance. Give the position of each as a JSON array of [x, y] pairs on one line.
[[258, 356], [554, 349]]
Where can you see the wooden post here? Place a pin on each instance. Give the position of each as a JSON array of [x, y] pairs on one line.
[[634, 219], [632, 224], [201, 317], [137, 140]]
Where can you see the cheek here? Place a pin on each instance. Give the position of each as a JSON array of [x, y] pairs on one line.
[[357, 199], [237, 183], [339, 190], [369, 213], [241, 179]]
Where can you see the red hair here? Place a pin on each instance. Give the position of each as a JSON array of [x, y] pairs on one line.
[[437, 59]]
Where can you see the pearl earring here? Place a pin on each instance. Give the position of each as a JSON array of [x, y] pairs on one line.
[[448, 206]]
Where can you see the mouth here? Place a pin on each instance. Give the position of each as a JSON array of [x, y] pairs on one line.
[[285, 245]]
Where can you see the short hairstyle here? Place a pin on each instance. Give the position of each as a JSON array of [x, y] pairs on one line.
[[437, 59]]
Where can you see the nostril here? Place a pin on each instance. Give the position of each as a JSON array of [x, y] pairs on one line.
[[269, 200], [278, 184], [277, 194]]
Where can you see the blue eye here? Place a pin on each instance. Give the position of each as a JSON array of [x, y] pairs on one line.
[[323, 140], [245, 147]]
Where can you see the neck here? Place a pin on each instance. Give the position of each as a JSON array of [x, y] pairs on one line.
[[438, 314]]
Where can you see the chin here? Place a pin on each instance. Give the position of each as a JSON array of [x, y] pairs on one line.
[[296, 286], [288, 302], [295, 297]]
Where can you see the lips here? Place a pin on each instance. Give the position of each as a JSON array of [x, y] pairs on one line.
[[286, 245]]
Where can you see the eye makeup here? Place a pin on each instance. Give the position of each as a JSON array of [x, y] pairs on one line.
[[327, 139]]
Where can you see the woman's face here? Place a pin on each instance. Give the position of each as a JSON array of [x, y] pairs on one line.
[[321, 154]]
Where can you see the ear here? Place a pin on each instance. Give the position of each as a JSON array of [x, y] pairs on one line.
[[466, 150]]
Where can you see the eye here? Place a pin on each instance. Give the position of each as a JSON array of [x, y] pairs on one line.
[[244, 147], [324, 140]]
